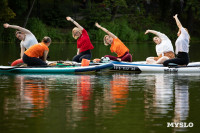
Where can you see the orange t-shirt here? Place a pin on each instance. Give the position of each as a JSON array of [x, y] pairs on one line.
[[36, 50], [118, 47]]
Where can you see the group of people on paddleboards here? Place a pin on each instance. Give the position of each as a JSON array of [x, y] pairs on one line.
[[164, 48], [35, 54]]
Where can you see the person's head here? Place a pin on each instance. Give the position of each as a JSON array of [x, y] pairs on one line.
[[157, 40], [20, 35], [46, 40], [76, 33], [107, 40]]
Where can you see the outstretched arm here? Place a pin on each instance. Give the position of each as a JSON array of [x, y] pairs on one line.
[[6, 25], [105, 30], [177, 21], [151, 31], [157, 33], [75, 23]]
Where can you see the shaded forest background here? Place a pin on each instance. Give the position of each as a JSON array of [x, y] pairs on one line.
[[128, 19]]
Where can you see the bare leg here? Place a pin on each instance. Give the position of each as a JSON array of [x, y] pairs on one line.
[[150, 60], [161, 60]]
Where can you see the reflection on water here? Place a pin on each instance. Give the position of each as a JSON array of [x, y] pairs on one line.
[[118, 92], [83, 92], [168, 94], [108, 101], [31, 97], [159, 95], [181, 109], [89, 103], [158, 100], [80, 99]]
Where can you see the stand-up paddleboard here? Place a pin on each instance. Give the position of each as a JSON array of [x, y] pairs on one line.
[[142, 67], [55, 69]]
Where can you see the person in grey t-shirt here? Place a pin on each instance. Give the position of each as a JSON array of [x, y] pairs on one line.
[[26, 37]]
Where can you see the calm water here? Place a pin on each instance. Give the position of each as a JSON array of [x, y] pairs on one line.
[[98, 103], [65, 51]]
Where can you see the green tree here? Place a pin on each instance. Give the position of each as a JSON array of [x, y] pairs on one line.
[[113, 6], [5, 12], [192, 11]]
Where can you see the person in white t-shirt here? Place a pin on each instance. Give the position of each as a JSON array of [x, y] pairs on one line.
[[182, 46], [26, 37], [164, 48]]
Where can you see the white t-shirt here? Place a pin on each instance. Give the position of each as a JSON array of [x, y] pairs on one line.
[[29, 41], [165, 45], [182, 42]]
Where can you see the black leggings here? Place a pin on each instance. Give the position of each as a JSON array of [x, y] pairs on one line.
[[181, 59], [86, 55], [33, 61]]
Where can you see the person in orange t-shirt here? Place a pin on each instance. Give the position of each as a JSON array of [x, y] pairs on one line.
[[116, 46], [36, 55]]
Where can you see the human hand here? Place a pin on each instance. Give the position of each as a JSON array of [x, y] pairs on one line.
[[175, 16], [147, 31], [97, 25], [5, 25], [69, 18]]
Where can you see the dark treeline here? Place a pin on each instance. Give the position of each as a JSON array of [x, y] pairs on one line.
[[128, 19]]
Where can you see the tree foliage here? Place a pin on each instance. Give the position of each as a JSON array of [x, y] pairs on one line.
[[5, 12], [137, 15]]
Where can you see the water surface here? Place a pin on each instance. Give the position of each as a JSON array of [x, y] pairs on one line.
[[65, 51], [100, 102], [111, 102]]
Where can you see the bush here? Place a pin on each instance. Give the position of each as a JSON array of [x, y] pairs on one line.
[[121, 29], [39, 29]]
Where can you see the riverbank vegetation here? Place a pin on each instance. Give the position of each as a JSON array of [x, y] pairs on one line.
[[128, 19]]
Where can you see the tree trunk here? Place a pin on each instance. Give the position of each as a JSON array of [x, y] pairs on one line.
[[29, 13]]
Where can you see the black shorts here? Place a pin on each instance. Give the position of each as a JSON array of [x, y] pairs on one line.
[[33, 61]]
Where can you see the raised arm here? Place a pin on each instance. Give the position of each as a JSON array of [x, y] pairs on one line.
[[152, 31], [6, 25], [75, 23], [105, 30], [157, 33], [177, 21]]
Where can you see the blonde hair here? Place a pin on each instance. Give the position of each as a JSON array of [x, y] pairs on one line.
[[75, 29], [104, 40]]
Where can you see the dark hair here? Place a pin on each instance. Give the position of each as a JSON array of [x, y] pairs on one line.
[[46, 39], [17, 32]]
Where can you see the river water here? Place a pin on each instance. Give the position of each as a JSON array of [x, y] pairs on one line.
[[110, 102]]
